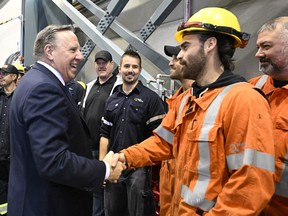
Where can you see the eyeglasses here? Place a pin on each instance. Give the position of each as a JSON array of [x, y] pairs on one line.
[[243, 36]]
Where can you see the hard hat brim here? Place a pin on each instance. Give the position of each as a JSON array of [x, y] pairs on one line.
[[179, 35]]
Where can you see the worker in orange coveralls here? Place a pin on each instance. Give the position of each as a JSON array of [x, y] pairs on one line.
[[219, 131], [166, 183], [272, 43]]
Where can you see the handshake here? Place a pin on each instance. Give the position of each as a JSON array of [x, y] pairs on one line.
[[117, 165]]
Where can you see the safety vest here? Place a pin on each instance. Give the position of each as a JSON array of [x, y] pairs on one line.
[[3, 208]]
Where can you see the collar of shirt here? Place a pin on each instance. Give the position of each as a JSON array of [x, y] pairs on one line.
[[53, 70], [110, 80], [2, 92], [137, 88]]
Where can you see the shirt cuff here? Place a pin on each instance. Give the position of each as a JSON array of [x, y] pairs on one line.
[[107, 169]]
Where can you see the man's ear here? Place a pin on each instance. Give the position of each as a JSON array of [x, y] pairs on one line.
[[112, 63], [48, 51], [15, 77], [211, 43]]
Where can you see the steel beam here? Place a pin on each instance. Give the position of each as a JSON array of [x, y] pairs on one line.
[[160, 14], [114, 8], [89, 29], [157, 59]]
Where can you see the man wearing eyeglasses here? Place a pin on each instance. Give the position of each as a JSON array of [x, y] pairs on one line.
[[219, 132], [8, 79]]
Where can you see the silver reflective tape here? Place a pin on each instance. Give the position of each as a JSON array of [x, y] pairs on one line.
[[281, 188], [197, 196], [251, 157], [261, 81], [164, 134], [107, 122], [182, 104], [195, 200], [155, 118]]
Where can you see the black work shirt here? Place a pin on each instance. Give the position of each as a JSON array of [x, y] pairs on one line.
[[94, 107], [4, 124], [130, 119]]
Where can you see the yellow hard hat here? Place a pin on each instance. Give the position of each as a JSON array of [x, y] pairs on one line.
[[19, 67], [216, 20]]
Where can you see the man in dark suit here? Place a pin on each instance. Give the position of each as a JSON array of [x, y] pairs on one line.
[[52, 170]]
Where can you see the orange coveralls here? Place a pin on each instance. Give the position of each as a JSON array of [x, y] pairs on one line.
[[166, 183], [278, 98], [223, 146]]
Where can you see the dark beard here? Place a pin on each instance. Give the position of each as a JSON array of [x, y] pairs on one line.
[[195, 65]]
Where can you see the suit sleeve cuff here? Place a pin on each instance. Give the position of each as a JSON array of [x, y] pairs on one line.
[[107, 170]]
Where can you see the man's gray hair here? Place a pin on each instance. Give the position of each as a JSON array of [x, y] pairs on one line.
[[272, 24], [47, 36]]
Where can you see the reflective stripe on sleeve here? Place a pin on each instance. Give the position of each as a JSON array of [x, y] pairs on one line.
[[281, 188], [155, 118], [3, 208], [251, 157], [197, 196], [107, 122], [164, 134]]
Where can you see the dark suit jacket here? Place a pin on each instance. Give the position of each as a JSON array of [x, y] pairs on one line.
[[52, 171]]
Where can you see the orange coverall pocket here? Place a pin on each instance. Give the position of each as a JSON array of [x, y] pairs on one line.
[[202, 149]]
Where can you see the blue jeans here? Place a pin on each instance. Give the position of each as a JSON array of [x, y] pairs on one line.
[[98, 203], [131, 196]]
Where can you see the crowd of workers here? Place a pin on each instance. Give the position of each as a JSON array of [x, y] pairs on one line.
[[68, 148]]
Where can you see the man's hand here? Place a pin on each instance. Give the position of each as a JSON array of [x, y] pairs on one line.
[[122, 158], [116, 166]]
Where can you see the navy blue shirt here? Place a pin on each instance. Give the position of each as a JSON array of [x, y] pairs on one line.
[[130, 119]]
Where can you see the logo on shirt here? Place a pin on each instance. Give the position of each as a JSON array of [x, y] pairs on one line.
[[138, 99], [236, 148]]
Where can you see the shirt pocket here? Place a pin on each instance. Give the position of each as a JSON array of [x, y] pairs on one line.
[[137, 112], [203, 152], [113, 111]]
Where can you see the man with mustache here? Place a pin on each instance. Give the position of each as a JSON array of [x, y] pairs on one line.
[[166, 183], [132, 112], [219, 132], [272, 43]]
